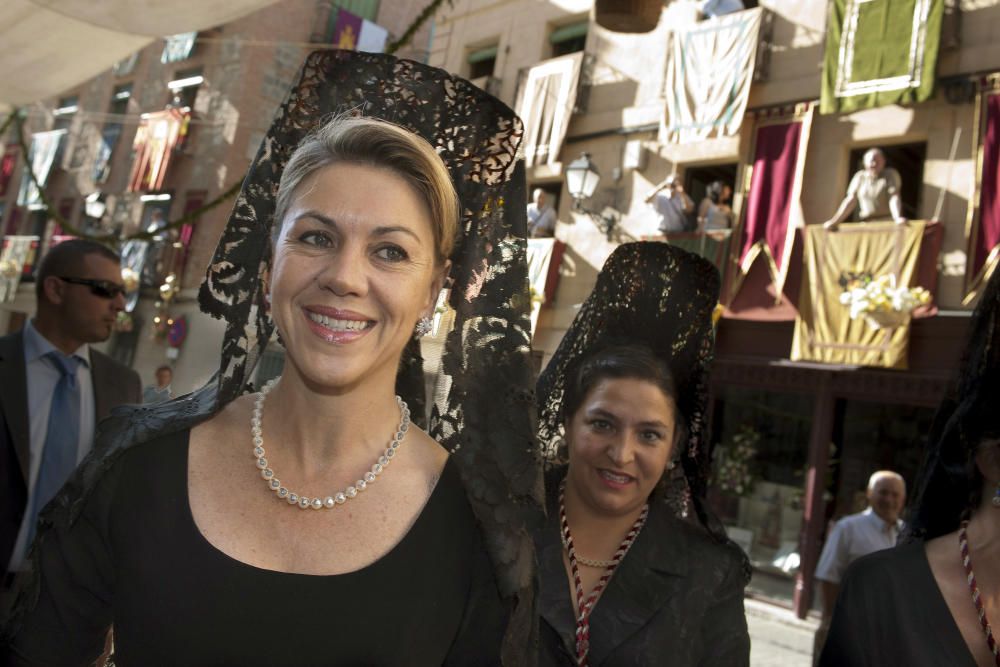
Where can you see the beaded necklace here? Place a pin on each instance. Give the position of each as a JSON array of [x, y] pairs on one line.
[[963, 543], [585, 606]]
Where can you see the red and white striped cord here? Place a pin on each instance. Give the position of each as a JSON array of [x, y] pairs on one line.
[[585, 606], [963, 543]]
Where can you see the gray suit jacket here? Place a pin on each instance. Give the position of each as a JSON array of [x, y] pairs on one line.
[[114, 384]]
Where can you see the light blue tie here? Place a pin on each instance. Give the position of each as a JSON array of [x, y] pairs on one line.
[[62, 437]]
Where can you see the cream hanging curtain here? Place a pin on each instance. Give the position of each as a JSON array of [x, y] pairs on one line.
[[50, 46]]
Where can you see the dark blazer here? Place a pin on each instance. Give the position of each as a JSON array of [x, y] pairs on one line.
[[676, 599], [114, 384]]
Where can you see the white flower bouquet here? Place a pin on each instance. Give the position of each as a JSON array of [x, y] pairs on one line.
[[880, 302]]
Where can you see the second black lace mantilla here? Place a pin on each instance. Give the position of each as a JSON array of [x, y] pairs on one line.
[[661, 296]]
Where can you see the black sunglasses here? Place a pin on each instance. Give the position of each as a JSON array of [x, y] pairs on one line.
[[105, 289]]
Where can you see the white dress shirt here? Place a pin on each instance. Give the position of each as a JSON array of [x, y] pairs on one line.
[[852, 537], [42, 377]]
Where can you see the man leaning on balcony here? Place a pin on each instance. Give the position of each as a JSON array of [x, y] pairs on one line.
[[874, 191]]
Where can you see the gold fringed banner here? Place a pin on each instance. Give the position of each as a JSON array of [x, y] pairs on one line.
[[824, 331]]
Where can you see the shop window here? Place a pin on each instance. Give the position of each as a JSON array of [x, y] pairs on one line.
[[482, 61], [761, 443], [184, 88], [569, 38], [908, 160], [875, 436]]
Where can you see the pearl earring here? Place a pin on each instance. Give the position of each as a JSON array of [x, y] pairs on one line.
[[996, 497], [424, 327]]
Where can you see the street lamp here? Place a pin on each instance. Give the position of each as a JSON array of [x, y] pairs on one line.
[[582, 178]]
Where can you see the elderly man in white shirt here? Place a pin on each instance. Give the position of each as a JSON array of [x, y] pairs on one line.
[[858, 535]]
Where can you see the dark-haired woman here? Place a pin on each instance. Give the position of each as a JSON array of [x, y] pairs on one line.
[[935, 600], [714, 213], [633, 569]]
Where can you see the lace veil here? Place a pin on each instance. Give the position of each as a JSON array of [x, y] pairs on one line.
[[661, 296], [949, 485], [481, 406]]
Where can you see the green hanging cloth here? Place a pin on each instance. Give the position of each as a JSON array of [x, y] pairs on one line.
[[880, 52]]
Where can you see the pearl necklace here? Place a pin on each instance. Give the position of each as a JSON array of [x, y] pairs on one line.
[[339, 498], [589, 562]]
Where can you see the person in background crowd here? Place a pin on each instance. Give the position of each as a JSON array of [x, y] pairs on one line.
[[935, 599], [541, 215], [621, 418], [672, 205], [877, 527], [874, 191], [714, 213], [161, 390], [54, 387]]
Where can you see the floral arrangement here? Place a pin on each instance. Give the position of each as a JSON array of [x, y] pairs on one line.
[[9, 268], [880, 301], [735, 475]]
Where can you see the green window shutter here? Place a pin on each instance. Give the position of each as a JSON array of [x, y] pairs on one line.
[[479, 55], [568, 32]]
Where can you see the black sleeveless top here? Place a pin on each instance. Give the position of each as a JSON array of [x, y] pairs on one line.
[[136, 559]]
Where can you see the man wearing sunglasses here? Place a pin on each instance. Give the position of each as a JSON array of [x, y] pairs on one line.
[[54, 387]]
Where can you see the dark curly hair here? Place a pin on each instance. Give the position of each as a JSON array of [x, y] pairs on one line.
[[621, 360], [714, 191]]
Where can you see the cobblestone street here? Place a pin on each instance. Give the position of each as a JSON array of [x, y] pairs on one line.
[[778, 638]]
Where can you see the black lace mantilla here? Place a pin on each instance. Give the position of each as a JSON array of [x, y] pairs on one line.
[[661, 296], [481, 407]]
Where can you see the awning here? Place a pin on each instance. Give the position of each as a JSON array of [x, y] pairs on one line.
[[53, 45]]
